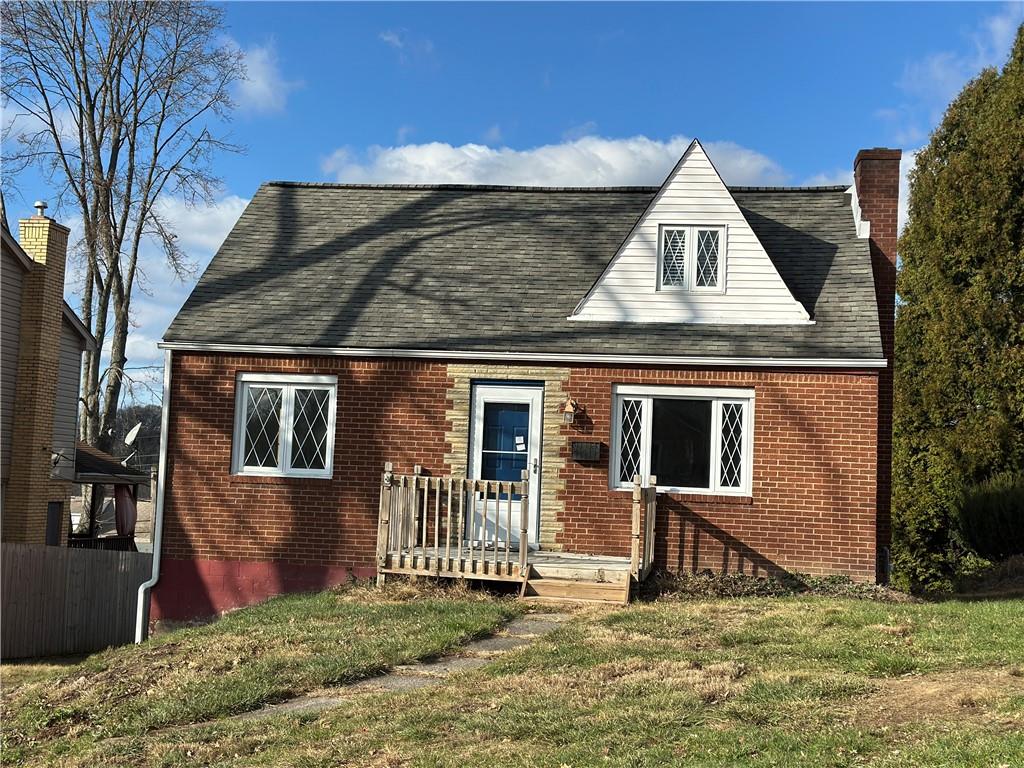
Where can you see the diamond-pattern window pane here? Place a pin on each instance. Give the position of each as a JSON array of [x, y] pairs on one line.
[[732, 445], [673, 257], [262, 427], [309, 429], [707, 258], [630, 441]]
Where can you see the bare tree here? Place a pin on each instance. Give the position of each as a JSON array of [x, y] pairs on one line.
[[117, 104]]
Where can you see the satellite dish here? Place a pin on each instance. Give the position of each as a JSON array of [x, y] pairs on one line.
[[132, 434]]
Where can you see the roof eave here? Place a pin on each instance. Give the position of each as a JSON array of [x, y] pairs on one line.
[[76, 323], [581, 357], [14, 246]]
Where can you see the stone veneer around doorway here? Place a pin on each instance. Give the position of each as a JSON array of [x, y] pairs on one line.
[[461, 377]]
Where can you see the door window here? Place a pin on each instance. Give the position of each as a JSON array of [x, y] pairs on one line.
[[506, 440]]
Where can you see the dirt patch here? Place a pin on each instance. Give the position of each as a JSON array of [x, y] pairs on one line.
[[966, 694], [712, 683]]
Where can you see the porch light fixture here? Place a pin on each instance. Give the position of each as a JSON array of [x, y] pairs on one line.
[[569, 411]]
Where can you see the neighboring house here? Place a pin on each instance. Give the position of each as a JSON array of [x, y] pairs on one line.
[[735, 343], [42, 345], [110, 483]]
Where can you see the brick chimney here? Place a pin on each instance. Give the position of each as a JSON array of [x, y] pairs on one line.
[[31, 487], [876, 174]]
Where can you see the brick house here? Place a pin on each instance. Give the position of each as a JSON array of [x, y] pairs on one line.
[[42, 342], [733, 344]]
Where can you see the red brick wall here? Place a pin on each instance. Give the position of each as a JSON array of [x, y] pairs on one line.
[[877, 176], [387, 411], [812, 507], [297, 532]]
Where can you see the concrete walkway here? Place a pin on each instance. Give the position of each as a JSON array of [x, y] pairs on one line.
[[516, 634]]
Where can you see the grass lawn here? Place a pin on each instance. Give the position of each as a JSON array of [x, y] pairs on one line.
[[806, 681], [248, 658]]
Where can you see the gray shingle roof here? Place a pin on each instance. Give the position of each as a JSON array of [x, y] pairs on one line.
[[499, 269]]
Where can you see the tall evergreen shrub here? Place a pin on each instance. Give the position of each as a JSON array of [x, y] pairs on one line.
[[959, 410]]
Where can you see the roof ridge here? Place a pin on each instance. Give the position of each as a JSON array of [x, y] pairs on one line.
[[466, 187], [814, 188], [525, 187]]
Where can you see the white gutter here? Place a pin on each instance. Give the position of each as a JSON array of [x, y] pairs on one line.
[[158, 512], [443, 354]]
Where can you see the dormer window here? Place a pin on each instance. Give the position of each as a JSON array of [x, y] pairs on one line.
[[692, 258]]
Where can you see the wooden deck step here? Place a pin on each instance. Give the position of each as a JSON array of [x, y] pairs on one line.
[[582, 572], [575, 589]]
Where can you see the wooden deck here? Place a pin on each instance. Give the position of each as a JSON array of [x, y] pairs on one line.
[[567, 565], [461, 528]]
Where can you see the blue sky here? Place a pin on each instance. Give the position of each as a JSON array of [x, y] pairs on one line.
[[568, 94]]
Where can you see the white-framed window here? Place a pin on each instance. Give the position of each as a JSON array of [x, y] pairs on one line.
[[692, 439], [284, 425], [691, 257]]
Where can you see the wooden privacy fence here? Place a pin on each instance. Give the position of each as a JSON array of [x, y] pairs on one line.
[[453, 527], [57, 600], [645, 510]]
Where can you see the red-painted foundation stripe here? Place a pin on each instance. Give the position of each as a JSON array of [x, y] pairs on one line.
[[190, 589]]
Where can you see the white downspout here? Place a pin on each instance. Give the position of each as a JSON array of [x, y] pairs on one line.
[[158, 512]]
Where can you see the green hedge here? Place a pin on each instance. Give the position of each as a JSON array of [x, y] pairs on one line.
[[991, 516]]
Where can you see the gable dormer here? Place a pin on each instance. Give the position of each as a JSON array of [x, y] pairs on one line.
[[692, 258]]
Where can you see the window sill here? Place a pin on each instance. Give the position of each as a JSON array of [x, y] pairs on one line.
[[277, 479], [736, 500], [709, 498]]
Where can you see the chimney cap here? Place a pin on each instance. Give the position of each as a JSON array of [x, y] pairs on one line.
[[878, 153], [40, 206]]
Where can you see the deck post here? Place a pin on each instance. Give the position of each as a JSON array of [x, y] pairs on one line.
[[634, 550], [524, 522], [650, 515], [384, 520]]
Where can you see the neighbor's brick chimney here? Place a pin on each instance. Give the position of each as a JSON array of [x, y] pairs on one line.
[[31, 487], [876, 173]]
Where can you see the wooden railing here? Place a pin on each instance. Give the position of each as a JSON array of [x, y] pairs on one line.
[[453, 527], [645, 510]]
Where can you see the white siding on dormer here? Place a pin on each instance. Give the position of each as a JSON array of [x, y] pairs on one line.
[[693, 194]]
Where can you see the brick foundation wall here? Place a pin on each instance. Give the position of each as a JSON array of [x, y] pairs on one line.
[[812, 507]]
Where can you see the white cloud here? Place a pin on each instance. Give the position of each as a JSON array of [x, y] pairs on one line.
[[587, 161], [906, 163], [17, 123], [931, 82], [201, 229], [160, 294], [942, 74], [830, 179], [493, 135], [404, 132], [335, 163], [392, 38], [410, 47], [265, 88], [574, 132]]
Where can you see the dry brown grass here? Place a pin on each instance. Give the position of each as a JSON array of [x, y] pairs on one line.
[[950, 696]]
